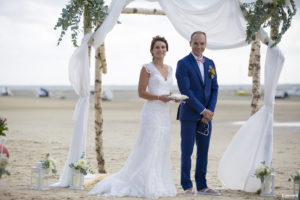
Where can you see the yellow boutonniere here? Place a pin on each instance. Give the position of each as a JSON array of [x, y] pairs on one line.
[[211, 72]]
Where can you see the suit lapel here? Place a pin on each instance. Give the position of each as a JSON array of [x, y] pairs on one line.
[[206, 78], [196, 68]]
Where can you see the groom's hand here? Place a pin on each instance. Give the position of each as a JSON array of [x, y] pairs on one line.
[[204, 120], [207, 114]]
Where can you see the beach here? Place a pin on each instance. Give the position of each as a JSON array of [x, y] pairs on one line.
[[44, 125]]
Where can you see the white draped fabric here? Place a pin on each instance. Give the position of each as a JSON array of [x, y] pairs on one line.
[[253, 143], [222, 20], [114, 11], [225, 26], [79, 76]]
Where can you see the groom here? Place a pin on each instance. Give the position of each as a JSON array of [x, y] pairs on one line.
[[196, 77]]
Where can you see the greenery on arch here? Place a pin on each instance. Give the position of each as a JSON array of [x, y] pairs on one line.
[[275, 13], [71, 17]]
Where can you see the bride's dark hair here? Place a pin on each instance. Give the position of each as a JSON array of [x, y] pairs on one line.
[[158, 38]]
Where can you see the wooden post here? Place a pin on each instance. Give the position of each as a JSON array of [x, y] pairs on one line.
[[87, 28], [100, 66], [142, 11], [254, 65], [98, 112]]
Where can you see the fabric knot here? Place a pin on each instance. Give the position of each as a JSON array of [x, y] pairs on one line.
[[202, 60]]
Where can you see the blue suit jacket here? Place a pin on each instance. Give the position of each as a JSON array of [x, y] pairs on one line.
[[201, 94]]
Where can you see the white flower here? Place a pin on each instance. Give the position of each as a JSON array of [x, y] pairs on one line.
[[52, 163], [261, 168], [82, 163], [268, 171]]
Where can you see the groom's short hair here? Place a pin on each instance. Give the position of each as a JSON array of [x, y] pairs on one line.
[[198, 32]]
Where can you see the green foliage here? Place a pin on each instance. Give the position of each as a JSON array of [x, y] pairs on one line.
[[71, 16], [3, 171], [49, 163], [277, 13], [295, 176], [3, 164], [3, 126]]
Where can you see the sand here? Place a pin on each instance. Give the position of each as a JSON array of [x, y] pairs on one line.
[[40, 126]]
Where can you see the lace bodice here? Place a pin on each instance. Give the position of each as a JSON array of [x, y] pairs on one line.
[[157, 84]]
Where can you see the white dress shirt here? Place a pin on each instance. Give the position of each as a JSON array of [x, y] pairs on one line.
[[201, 66]]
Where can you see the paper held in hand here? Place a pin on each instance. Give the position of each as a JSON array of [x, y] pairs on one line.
[[179, 97]]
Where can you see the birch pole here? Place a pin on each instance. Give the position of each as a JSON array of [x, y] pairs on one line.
[[87, 28], [100, 67], [142, 11], [254, 71], [254, 68], [274, 30]]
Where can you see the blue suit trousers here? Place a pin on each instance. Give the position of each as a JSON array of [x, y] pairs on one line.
[[188, 139]]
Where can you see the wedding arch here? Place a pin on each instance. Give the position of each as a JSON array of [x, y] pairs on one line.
[[225, 26]]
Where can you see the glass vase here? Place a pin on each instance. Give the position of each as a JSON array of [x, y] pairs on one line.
[[267, 186], [39, 177], [77, 180], [296, 189]]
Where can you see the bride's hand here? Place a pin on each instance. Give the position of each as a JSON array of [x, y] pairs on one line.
[[165, 98], [173, 99]]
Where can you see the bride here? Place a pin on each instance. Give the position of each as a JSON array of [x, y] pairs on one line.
[[147, 171]]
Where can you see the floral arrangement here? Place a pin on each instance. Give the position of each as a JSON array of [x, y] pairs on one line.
[[272, 13], [3, 164], [211, 72], [295, 176], [262, 171], [82, 165], [49, 163], [3, 126]]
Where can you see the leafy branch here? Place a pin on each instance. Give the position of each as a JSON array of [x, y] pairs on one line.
[[71, 17], [274, 13]]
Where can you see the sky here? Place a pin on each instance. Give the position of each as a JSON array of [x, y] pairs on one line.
[[29, 54]]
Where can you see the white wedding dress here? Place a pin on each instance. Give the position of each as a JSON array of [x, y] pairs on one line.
[[147, 171]]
